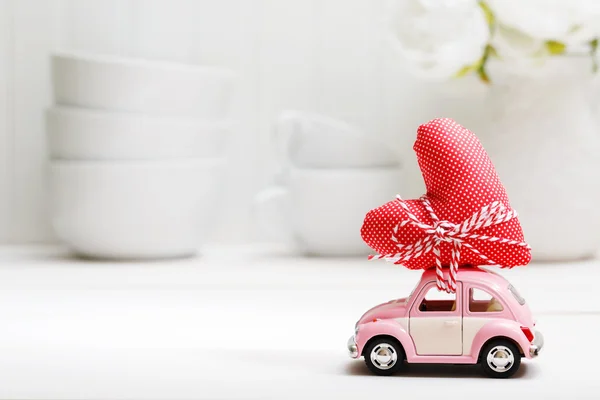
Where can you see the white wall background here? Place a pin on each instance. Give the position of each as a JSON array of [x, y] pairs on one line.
[[328, 56]]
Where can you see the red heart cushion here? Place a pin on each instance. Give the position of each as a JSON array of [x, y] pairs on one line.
[[461, 181]]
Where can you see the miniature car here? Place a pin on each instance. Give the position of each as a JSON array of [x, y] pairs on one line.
[[486, 321]]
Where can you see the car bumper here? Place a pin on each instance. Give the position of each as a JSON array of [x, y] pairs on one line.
[[536, 345], [352, 348]]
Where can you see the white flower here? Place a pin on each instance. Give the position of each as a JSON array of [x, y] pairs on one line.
[[572, 22], [439, 37]]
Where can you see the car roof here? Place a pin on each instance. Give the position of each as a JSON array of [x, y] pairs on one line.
[[471, 275]]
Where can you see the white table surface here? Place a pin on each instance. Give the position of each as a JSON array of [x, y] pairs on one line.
[[238, 325]]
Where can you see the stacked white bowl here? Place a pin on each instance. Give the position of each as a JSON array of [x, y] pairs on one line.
[[137, 153]]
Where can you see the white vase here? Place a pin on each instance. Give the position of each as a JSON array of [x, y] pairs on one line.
[[543, 138]]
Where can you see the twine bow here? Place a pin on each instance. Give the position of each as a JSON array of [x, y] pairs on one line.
[[455, 234]]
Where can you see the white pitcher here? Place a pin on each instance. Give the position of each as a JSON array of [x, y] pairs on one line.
[[544, 141]]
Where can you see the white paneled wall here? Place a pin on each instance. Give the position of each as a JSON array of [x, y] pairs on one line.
[[328, 56]]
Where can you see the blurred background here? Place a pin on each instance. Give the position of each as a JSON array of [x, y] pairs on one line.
[[273, 92], [333, 58], [265, 103]]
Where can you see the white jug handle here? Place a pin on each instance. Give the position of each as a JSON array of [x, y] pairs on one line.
[[271, 209], [283, 137]]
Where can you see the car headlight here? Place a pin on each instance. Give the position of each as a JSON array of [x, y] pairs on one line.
[[356, 328]]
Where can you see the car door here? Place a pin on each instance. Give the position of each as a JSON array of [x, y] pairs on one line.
[[481, 306], [435, 323]]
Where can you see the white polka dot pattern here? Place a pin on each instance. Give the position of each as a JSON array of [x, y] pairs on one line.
[[461, 181]]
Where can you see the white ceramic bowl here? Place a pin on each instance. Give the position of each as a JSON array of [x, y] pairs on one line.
[[309, 140], [136, 209], [81, 134], [134, 85], [320, 211]]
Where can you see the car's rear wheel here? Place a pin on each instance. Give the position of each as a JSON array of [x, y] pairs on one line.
[[500, 359], [384, 356]]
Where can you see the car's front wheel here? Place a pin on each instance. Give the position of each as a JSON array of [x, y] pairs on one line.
[[500, 359], [384, 356]]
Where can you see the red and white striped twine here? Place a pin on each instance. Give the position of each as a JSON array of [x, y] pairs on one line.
[[455, 234]]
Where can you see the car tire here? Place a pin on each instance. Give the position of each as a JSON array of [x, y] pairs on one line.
[[500, 358], [384, 356]]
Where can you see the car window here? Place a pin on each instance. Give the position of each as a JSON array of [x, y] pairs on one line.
[[514, 292], [438, 301], [481, 301]]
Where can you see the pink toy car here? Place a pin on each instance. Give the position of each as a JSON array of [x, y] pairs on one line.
[[486, 321]]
